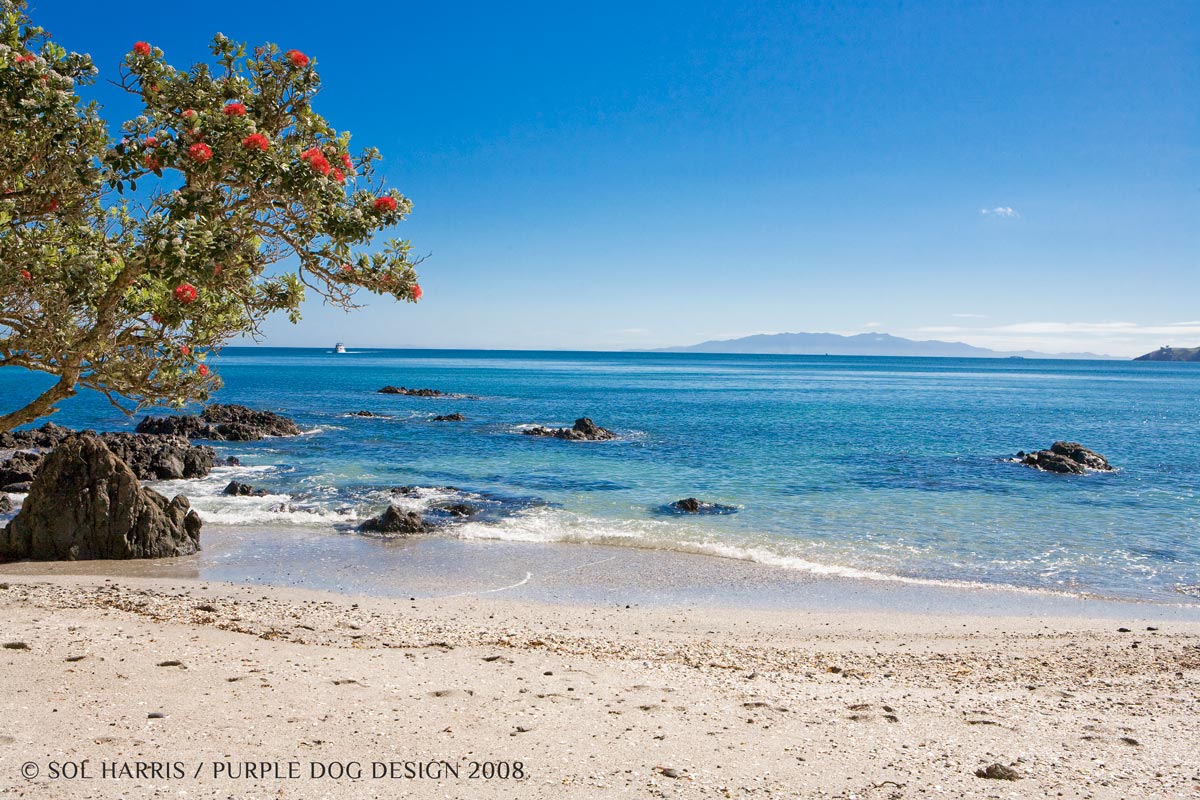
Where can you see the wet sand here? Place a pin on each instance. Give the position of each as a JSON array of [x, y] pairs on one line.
[[594, 700]]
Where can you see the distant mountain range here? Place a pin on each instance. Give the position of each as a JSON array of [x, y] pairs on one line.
[[1172, 354], [863, 344]]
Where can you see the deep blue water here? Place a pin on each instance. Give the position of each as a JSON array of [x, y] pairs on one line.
[[877, 467]]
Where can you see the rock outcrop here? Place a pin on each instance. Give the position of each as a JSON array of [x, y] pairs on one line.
[[415, 392], [86, 503], [222, 423], [395, 521], [690, 505], [449, 418], [584, 430], [150, 457], [243, 490], [5, 504], [1066, 458]]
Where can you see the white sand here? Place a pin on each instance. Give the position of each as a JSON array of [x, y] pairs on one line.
[[594, 702]]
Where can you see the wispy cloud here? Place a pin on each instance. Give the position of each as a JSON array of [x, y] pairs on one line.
[[970, 316], [1112, 337], [1005, 212], [872, 324]]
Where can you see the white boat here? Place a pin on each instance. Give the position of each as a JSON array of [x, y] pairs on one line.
[[339, 348]]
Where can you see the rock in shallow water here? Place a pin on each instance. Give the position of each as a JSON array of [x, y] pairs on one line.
[[395, 520], [228, 423], [1066, 458], [450, 418], [86, 503], [584, 430], [243, 490], [150, 457], [691, 505]]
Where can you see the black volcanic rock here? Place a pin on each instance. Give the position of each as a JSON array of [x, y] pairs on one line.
[[86, 503], [228, 423], [243, 490], [584, 430], [1172, 354], [691, 505], [449, 418], [414, 392], [1066, 458], [150, 457], [395, 520]]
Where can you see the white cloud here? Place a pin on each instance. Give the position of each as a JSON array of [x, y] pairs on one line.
[[872, 324], [1115, 337], [1006, 212], [970, 316]]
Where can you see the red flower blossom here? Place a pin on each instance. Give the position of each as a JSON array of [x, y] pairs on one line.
[[25, 276], [347, 268], [155, 318], [319, 164], [200, 152], [217, 269], [311, 153], [152, 164], [338, 175], [256, 141], [25, 59], [202, 369], [297, 58], [141, 48], [235, 110], [185, 350], [52, 205], [189, 113], [416, 291], [385, 204], [347, 162], [186, 293], [150, 141]]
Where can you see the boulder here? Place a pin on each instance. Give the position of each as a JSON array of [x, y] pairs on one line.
[[584, 430], [363, 414], [223, 423], [395, 520], [16, 488], [161, 457], [458, 510], [690, 505], [243, 490], [449, 418], [86, 503], [5, 504], [1066, 458]]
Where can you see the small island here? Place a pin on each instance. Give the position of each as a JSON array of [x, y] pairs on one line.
[[1172, 354]]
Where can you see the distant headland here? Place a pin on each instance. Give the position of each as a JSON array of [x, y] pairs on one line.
[[863, 344], [1172, 354]]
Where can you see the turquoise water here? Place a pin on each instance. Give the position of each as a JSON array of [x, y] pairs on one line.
[[879, 468]]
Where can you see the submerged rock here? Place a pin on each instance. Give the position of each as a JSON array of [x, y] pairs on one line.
[[458, 510], [584, 430], [86, 503], [414, 392], [227, 423], [1066, 458], [363, 413], [395, 520], [690, 505], [243, 490], [449, 418]]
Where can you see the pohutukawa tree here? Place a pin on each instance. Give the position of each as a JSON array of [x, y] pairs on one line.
[[125, 262]]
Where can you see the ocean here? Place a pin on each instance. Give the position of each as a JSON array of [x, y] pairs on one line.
[[878, 469]]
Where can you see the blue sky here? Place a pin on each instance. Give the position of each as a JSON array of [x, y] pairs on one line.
[[626, 175]]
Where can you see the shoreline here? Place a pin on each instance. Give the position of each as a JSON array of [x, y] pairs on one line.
[[593, 700], [578, 574]]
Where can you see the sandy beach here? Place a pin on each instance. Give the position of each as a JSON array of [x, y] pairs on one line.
[[217, 690]]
